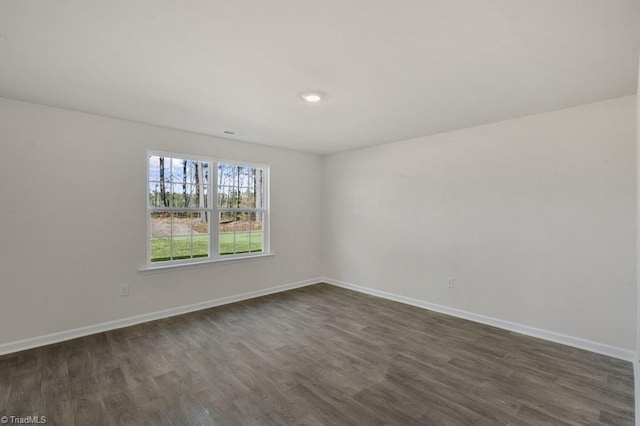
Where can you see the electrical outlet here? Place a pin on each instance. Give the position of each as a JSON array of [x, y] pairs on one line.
[[450, 282], [124, 290]]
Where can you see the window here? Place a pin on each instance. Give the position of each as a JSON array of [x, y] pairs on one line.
[[203, 209]]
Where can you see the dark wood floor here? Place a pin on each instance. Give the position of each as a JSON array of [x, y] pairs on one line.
[[313, 356]]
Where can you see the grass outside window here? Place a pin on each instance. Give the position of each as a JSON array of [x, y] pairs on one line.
[[161, 247]]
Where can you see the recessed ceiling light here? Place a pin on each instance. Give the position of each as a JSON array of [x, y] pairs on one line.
[[313, 96]]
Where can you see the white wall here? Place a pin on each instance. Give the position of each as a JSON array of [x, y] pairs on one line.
[[636, 365], [73, 221], [533, 217]]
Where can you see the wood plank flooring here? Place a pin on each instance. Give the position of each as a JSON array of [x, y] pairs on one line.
[[319, 355]]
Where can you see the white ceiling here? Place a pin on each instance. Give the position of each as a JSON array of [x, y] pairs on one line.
[[392, 70]]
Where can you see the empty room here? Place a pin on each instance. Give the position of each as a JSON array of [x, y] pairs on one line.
[[319, 213]]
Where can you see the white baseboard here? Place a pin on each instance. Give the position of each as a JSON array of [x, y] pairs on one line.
[[577, 342], [138, 319]]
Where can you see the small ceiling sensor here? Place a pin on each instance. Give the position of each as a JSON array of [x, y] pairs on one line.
[[313, 96], [229, 132]]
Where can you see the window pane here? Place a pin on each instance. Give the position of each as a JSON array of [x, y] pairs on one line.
[[159, 186], [174, 194], [239, 187], [154, 168], [154, 195], [191, 171], [182, 195], [227, 196], [160, 236], [200, 229], [160, 249], [257, 234], [227, 232], [177, 182], [246, 199], [240, 232], [181, 235], [199, 196], [258, 187], [197, 172], [178, 167], [204, 166]]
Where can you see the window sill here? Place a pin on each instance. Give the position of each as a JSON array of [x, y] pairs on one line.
[[154, 269]]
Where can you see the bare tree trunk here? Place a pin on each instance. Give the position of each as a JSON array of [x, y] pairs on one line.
[[163, 191], [257, 184], [197, 176], [184, 183], [200, 196]]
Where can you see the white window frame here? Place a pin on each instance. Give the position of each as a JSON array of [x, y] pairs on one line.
[[214, 211]]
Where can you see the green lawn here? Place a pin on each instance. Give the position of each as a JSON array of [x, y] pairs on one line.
[[242, 242], [160, 246]]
